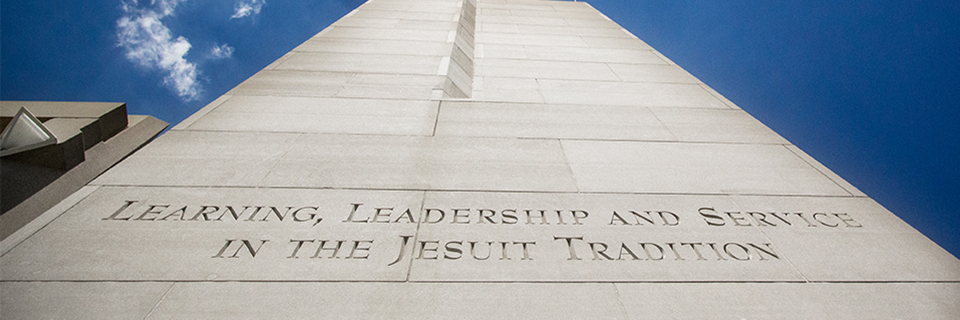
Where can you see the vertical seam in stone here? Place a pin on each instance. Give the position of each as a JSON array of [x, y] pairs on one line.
[[665, 127], [623, 308], [159, 301], [416, 235], [765, 236], [819, 171], [566, 160], [436, 120], [279, 158], [785, 258], [614, 72], [337, 94], [543, 98]]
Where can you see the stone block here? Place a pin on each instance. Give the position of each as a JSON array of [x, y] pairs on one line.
[[694, 168], [214, 234], [80, 300], [321, 115], [391, 300], [188, 158], [545, 69], [548, 53], [506, 237], [793, 300], [394, 162], [716, 125], [347, 62], [292, 83], [359, 46], [549, 121]]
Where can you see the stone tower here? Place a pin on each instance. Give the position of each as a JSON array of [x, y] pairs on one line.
[[473, 159]]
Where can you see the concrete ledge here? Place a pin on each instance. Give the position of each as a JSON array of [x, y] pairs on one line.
[[111, 116], [99, 158]]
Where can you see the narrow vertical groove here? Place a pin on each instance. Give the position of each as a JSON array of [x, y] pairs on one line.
[[416, 237], [563, 152], [766, 236], [279, 158], [159, 301], [436, 119], [623, 307]]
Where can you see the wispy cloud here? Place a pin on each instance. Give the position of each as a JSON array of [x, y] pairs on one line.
[[149, 43], [246, 8], [221, 52]]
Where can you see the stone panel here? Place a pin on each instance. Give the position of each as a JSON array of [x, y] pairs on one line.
[[544, 69], [549, 121], [506, 95], [530, 52], [575, 238], [827, 172], [391, 300], [790, 301], [384, 91], [620, 43], [590, 32], [545, 21], [387, 14], [347, 62], [214, 234], [502, 83], [191, 158], [636, 72], [662, 167], [292, 83], [80, 300], [874, 246], [323, 115], [388, 33], [358, 46], [580, 91], [530, 39], [716, 125], [394, 162]]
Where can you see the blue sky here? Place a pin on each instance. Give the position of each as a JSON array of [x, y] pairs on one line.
[[869, 88]]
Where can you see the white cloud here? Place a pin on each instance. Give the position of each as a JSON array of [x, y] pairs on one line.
[[246, 8], [221, 52], [149, 43], [166, 6]]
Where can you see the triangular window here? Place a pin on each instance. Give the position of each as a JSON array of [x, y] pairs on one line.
[[24, 133]]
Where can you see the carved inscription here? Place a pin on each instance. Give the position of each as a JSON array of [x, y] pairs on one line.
[[577, 233], [466, 216], [654, 251], [331, 249], [209, 213], [773, 219]]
